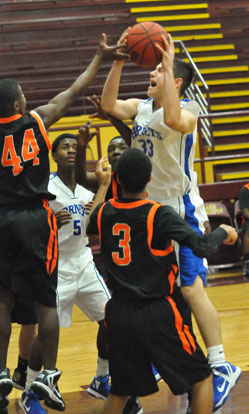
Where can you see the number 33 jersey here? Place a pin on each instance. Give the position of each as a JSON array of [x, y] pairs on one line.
[[71, 236], [24, 165]]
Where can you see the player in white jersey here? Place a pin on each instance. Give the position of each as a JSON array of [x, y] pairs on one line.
[[165, 129], [79, 281]]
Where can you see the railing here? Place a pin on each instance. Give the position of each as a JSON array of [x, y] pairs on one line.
[[203, 158]]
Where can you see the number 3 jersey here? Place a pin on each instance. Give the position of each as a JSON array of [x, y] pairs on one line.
[[24, 168], [72, 236], [171, 152]]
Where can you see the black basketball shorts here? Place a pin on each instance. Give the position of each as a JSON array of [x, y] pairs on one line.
[[142, 332], [25, 311], [29, 251]]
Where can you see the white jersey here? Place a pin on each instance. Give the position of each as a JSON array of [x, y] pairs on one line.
[[171, 152], [72, 236]]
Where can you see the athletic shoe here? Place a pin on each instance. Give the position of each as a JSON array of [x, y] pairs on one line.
[[5, 382], [99, 387], [45, 387], [4, 402], [246, 268], [156, 373], [225, 377], [30, 403], [133, 406], [53, 404], [19, 379]]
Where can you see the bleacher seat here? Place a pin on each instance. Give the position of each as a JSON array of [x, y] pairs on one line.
[[228, 256]]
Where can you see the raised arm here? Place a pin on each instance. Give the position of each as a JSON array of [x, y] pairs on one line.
[[109, 101], [56, 108], [176, 118], [82, 177]]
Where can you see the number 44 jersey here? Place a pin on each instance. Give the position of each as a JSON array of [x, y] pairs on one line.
[[24, 167], [71, 236]]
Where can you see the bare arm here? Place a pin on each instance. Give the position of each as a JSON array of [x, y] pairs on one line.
[[104, 180], [176, 118], [56, 108], [82, 177]]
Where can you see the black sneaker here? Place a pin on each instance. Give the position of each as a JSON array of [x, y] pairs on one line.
[[45, 386], [19, 379], [53, 404], [246, 268], [5, 382], [4, 402], [133, 406]]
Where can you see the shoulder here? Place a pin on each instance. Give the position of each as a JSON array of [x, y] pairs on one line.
[[86, 194], [191, 106]]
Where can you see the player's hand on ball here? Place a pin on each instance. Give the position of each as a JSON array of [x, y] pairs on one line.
[[109, 53], [168, 54]]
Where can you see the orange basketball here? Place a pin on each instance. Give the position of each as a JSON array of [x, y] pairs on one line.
[[141, 41]]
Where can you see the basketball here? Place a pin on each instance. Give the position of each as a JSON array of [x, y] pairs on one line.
[[141, 43]]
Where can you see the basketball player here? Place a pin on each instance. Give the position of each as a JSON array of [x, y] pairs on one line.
[[79, 282], [164, 128], [244, 207], [28, 247], [143, 323], [116, 147]]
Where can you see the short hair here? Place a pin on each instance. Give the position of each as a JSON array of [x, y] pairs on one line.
[[9, 93], [134, 170], [59, 138], [183, 70]]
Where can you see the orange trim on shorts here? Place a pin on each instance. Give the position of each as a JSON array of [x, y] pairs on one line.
[[52, 247], [99, 220], [190, 337], [150, 221], [183, 333], [42, 129], [10, 119]]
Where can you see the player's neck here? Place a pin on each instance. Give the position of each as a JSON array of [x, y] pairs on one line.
[[67, 177], [134, 196]]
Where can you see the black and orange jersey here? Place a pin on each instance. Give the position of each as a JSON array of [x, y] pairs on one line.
[[24, 168], [114, 190], [244, 197], [137, 248]]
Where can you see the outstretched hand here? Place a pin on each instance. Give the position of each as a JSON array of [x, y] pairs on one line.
[[103, 175], [99, 111], [84, 135], [109, 53]]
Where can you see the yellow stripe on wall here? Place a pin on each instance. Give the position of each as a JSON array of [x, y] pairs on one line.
[[225, 70], [229, 106], [169, 8], [177, 17], [229, 133], [213, 58], [230, 120], [199, 37], [193, 27], [225, 81]]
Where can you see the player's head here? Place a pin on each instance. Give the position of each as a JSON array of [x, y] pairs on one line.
[[64, 150], [183, 71], [12, 99], [116, 147], [134, 170], [183, 75]]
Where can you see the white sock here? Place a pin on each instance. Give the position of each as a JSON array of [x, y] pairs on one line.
[[102, 367], [216, 354], [31, 376]]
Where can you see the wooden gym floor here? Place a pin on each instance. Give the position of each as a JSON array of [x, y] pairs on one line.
[[229, 291]]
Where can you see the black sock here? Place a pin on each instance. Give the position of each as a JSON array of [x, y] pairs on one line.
[[22, 364]]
